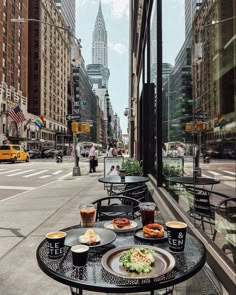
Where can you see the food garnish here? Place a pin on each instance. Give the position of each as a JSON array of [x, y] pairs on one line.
[[89, 238], [137, 260]]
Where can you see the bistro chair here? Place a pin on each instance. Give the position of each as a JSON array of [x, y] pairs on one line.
[[225, 225], [138, 192], [112, 207], [200, 206]]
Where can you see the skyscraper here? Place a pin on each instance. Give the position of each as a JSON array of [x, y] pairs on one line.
[[191, 6], [99, 50], [98, 71], [67, 9]]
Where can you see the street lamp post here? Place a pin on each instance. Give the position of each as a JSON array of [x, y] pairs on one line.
[[76, 168], [108, 115]]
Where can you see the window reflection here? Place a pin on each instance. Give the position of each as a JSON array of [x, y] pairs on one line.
[[199, 113]]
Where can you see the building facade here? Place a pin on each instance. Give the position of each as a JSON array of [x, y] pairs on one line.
[[48, 71], [214, 72], [191, 6], [85, 101], [13, 67], [67, 9], [148, 96]]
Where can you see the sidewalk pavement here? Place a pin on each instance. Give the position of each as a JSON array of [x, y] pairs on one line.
[[26, 218]]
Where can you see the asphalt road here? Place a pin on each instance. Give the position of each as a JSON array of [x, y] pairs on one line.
[[22, 176]]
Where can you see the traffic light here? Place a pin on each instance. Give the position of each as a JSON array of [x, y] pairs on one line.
[[75, 127]]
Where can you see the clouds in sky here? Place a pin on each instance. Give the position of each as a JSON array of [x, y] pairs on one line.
[[119, 8], [117, 47]]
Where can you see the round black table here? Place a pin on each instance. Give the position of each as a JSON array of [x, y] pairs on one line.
[[128, 179], [124, 184], [93, 277], [193, 181]]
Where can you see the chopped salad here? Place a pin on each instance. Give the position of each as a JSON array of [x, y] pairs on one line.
[[137, 260]]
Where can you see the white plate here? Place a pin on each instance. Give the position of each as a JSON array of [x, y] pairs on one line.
[[109, 225]]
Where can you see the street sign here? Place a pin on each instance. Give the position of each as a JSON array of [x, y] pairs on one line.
[[82, 103], [73, 117], [200, 116], [199, 127]]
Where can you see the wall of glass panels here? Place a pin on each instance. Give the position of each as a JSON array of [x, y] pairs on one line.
[[198, 115]]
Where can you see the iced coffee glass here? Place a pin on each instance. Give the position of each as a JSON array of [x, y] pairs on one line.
[[87, 215]]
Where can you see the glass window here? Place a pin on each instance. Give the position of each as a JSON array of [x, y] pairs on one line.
[[198, 112]]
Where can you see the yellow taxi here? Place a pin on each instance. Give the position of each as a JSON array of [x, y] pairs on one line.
[[13, 153]]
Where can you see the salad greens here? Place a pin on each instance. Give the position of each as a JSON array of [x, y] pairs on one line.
[[137, 260]]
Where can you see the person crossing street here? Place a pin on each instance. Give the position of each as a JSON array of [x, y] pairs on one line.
[[92, 154]]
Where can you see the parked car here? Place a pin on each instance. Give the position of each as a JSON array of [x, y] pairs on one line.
[[213, 153], [228, 154], [34, 154], [49, 153], [13, 153]]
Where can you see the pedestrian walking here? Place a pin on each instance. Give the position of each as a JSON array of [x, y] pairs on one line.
[[164, 153], [180, 154], [92, 153], [111, 151]]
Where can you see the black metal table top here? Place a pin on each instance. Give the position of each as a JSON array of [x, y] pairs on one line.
[[192, 180], [94, 278], [128, 179]]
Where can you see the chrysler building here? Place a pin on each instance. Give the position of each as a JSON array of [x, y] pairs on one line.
[[98, 71], [99, 51]]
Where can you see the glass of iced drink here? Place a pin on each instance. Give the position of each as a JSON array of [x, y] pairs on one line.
[[87, 215]]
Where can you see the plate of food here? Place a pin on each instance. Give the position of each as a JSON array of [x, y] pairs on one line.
[[138, 262], [153, 232], [93, 237], [121, 225]]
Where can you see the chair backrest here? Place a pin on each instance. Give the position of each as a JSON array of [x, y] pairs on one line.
[[112, 207], [201, 202], [227, 209]]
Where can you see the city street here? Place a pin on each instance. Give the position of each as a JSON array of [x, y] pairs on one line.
[[22, 176], [220, 169]]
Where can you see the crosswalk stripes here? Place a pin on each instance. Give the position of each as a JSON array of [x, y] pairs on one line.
[[214, 173], [21, 172], [230, 183], [57, 172], [45, 176], [33, 172], [229, 172], [5, 172], [218, 175], [37, 173]]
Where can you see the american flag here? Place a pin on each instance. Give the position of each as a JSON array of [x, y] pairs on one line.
[[16, 115]]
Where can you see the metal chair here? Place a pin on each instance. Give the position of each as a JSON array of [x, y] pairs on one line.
[[112, 207], [201, 207], [225, 224]]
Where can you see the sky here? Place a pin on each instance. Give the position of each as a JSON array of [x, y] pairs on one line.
[[116, 16]]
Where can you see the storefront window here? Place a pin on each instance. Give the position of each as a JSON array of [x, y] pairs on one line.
[[198, 115]]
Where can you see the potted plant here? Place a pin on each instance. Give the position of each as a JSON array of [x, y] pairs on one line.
[[132, 167], [169, 170]]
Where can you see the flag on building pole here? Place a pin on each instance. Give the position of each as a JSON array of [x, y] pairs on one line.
[[221, 121], [40, 122], [16, 115]]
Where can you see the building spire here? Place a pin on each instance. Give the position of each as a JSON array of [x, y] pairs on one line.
[[100, 6]]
